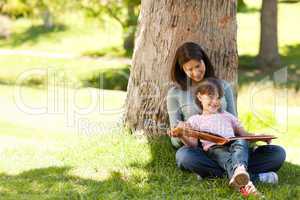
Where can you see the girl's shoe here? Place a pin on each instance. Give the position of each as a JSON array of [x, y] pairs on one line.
[[250, 189], [240, 177], [199, 178]]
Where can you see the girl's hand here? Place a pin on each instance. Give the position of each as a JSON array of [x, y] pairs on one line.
[[268, 141]]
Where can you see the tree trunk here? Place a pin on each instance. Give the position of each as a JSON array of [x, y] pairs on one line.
[[48, 19], [268, 57], [162, 27]]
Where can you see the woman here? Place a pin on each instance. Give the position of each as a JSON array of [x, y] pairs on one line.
[[190, 66]]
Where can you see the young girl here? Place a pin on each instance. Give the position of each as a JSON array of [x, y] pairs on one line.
[[233, 157]]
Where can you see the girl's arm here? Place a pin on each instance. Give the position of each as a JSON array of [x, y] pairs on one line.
[[237, 126], [240, 131]]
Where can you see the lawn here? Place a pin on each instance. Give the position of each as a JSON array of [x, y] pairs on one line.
[[43, 158], [73, 33], [62, 49], [79, 72]]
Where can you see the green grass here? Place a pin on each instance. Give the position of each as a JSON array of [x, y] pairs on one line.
[[73, 34], [74, 38], [43, 159], [77, 71]]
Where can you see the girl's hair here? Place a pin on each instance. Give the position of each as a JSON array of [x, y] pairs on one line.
[[209, 86], [185, 53]]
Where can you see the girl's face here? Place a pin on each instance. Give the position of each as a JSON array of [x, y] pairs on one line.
[[210, 103], [194, 69]]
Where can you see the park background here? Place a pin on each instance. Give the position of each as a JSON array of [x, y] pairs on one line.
[[62, 154]]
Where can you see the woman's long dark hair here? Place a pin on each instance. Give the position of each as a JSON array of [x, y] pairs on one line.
[[185, 53]]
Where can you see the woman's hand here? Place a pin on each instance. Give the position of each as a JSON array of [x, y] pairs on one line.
[[189, 141], [172, 133], [178, 134]]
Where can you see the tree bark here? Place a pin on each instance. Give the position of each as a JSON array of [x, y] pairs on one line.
[[268, 57], [162, 27]]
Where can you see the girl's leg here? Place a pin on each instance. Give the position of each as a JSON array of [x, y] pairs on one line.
[[196, 160], [239, 150], [234, 159]]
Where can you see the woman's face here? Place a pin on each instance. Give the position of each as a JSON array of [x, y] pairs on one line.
[[194, 69]]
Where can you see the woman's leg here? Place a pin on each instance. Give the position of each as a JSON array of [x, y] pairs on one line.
[[265, 158], [196, 160]]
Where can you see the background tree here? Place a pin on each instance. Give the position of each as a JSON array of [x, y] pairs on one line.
[[163, 27], [268, 48], [44, 9], [124, 11]]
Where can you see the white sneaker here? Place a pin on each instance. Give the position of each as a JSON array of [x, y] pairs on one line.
[[240, 177], [199, 178], [268, 177]]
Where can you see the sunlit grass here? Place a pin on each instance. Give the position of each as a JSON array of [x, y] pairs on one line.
[[79, 35], [42, 159]]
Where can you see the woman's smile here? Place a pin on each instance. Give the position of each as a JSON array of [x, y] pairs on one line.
[[195, 69]]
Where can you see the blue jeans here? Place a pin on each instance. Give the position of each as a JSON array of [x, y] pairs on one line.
[[230, 156], [262, 159]]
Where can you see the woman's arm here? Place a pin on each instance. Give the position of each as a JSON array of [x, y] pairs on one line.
[[175, 117], [230, 98], [173, 108]]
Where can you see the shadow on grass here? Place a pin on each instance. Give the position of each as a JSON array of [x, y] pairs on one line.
[[112, 79], [32, 35], [249, 72], [289, 1], [183, 184], [247, 9], [56, 183], [163, 180]]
